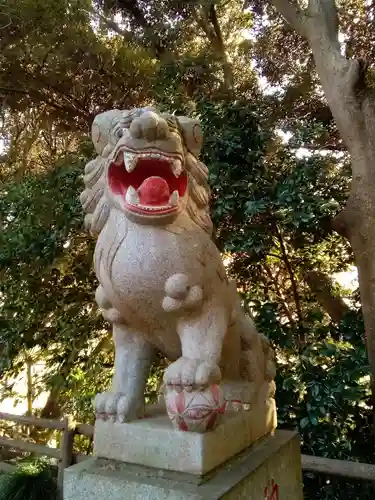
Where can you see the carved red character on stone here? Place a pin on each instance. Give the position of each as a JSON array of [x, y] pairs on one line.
[[273, 492]]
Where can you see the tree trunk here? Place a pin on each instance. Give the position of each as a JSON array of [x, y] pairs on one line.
[[354, 114], [360, 227], [321, 286]]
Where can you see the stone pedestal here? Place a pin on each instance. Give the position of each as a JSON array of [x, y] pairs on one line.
[[154, 442], [148, 459], [268, 470]]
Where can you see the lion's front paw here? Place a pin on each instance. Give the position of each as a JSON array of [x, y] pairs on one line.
[[117, 407], [191, 374], [180, 294]]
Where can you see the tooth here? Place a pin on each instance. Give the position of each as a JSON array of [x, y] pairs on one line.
[[132, 196], [130, 161], [173, 200], [120, 159], [176, 167]]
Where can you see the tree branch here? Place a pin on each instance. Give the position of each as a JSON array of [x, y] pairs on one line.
[[296, 297], [127, 35], [39, 95], [280, 294], [334, 147], [114, 27], [227, 65], [215, 24], [132, 8], [203, 23], [5, 26], [292, 14], [339, 223], [339, 76], [326, 11], [207, 20]]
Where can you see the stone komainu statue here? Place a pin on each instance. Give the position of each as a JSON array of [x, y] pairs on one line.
[[163, 285]]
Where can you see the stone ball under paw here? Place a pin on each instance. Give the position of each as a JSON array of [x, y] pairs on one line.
[[195, 411]]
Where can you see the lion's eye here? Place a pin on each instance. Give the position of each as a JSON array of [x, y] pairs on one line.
[[117, 132]]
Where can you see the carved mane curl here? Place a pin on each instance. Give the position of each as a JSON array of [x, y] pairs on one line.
[[199, 193]]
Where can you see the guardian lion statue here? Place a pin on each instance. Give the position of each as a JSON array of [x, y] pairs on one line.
[[162, 283]]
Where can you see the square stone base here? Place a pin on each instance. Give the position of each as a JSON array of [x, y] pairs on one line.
[[154, 442], [270, 469]]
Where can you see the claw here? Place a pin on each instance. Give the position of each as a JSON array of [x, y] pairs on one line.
[[190, 374], [117, 407]]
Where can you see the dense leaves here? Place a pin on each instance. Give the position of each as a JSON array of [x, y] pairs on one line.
[[52, 59], [47, 278]]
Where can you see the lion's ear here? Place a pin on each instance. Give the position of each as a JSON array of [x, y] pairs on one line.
[[101, 128], [192, 132]]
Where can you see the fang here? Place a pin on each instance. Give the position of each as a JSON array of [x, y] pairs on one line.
[[132, 197], [173, 200], [130, 161], [119, 160], [176, 167]]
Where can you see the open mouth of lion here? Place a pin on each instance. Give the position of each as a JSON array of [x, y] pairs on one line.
[[150, 183]]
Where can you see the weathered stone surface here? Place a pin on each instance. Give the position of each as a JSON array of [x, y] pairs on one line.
[[154, 442], [162, 282], [275, 463], [246, 476]]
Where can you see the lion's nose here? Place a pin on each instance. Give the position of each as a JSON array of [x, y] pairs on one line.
[[149, 126]]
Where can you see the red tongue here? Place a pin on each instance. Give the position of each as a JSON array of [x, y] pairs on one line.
[[154, 191]]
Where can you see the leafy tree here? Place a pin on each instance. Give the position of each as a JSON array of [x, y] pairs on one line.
[[47, 278], [346, 81], [54, 65], [273, 213]]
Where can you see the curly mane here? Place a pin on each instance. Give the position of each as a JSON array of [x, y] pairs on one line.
[[199, 193]]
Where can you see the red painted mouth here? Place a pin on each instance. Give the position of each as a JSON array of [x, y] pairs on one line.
[[149, 184]]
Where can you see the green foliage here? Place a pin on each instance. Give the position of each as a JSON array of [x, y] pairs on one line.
[[322, 386], [43, 256], [234, 147], [47, 281], [31, 481], [52, 59], [47, 291], [256, 190], [324, 391], [320, 487]]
